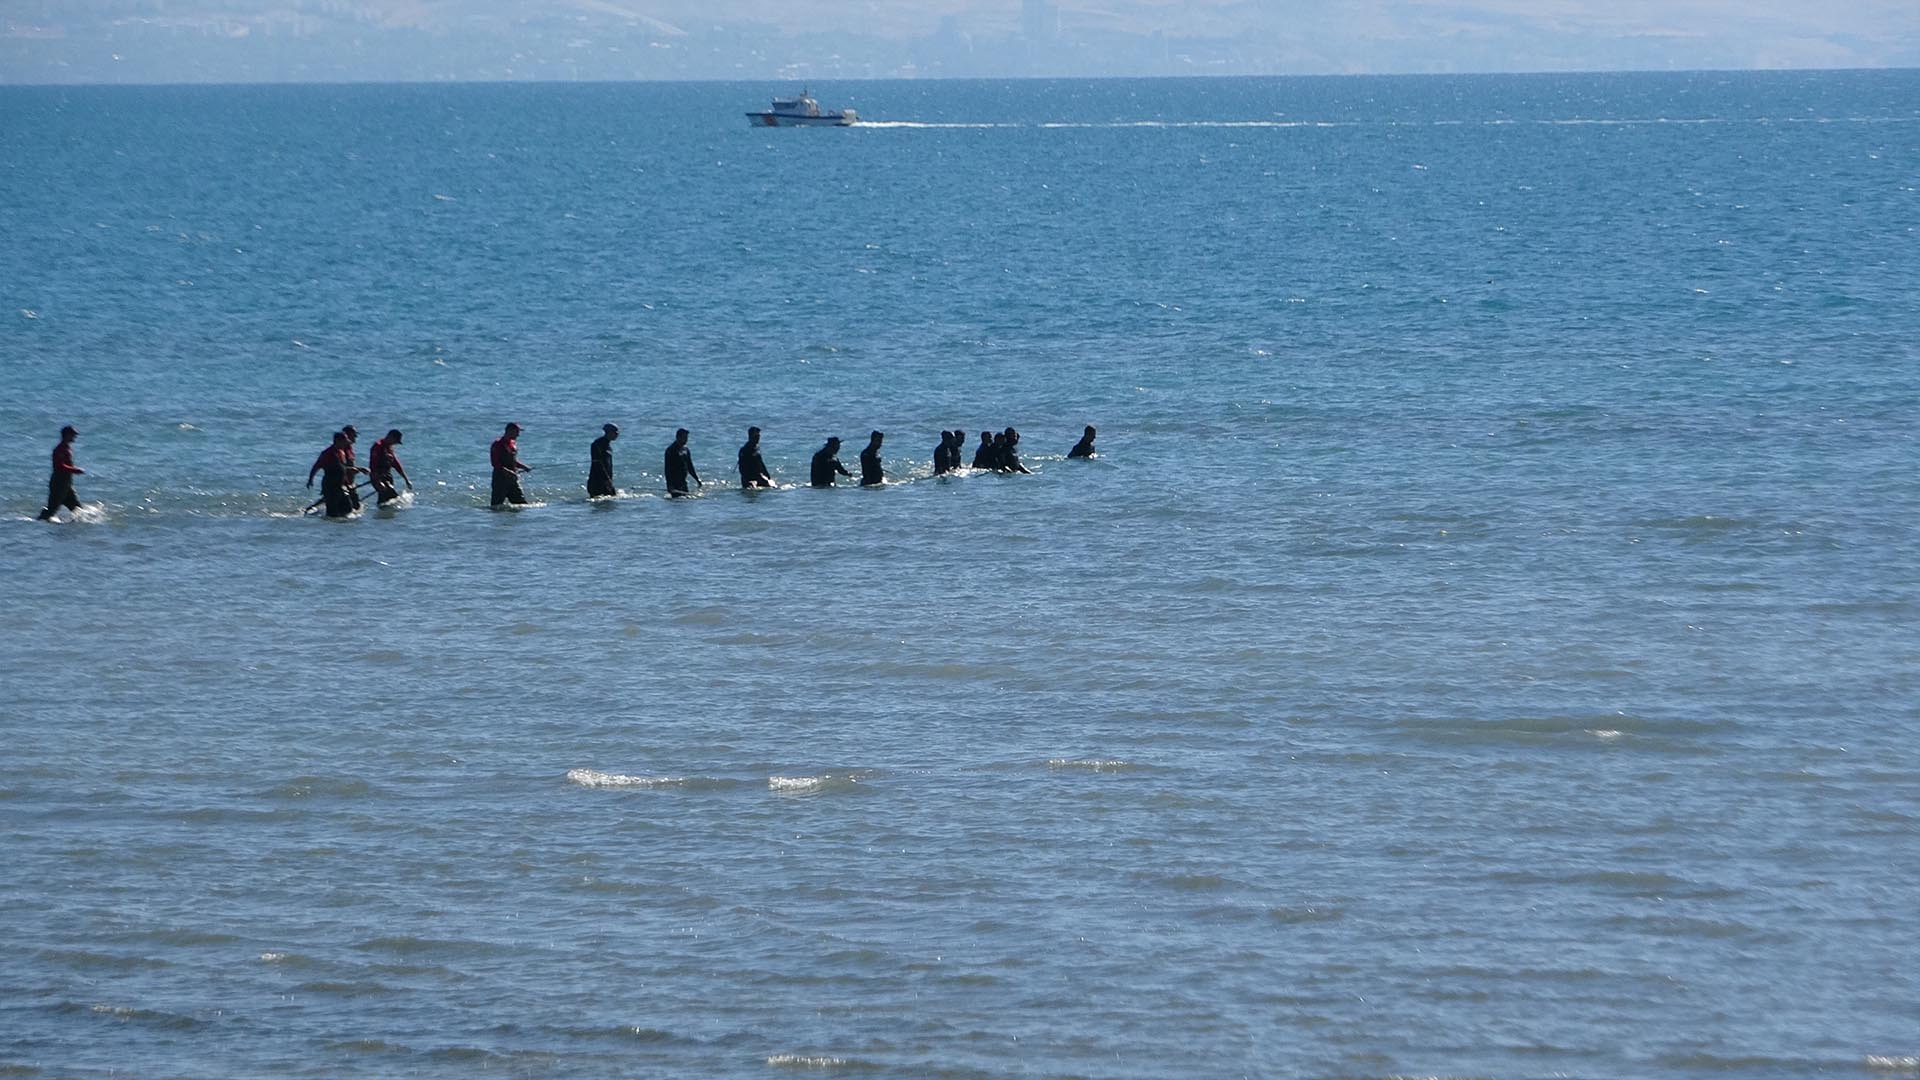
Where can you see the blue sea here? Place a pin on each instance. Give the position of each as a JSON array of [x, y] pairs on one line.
[[1487, 643]]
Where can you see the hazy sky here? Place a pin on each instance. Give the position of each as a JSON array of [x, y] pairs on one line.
[[304, 40]]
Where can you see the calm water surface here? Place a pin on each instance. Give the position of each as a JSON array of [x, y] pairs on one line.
[[1485, 645]]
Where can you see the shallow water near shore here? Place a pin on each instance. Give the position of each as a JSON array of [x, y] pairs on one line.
[[1484, 646]]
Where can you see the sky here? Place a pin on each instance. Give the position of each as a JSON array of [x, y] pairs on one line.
[[172, 41]]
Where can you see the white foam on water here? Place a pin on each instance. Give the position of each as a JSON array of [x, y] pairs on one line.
[[803, 1061], [1899, 1063], [593, 778], [1089, 764], [922, 124], [1605, 734], [796, 783], [272, 957]]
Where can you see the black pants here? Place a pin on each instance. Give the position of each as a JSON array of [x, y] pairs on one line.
[[59, 494], [339, 502], [506, 488], [600, 482]]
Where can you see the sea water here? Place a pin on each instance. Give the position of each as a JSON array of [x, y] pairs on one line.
[[1485, 644]]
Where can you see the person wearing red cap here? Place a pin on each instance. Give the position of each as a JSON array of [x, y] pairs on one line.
[[507, 469], [60, 484]]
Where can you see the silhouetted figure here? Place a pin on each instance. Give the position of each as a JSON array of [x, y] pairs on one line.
[[1009, 444], [943, 454], [870, 474], [505, 455], [60, 484], [353, 464], [1083, 448], [983, 454], [338, 451], [753, 468], [382, 463], [826, 462], [336, 476], [997, 452], [680, 465], [600, 463]]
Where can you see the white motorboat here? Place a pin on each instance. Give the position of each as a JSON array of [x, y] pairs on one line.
[[801, 111]]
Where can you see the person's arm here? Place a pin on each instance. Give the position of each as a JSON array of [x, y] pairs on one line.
[[401, 469], [842, 468], [695, 473], [64, 463], [317, 463]]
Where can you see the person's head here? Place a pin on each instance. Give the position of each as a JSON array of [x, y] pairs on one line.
[[1000, 439], [833, 442], [679, 436], [352, 435], [340, 438], [393, 437], [1089, 433], [67, 434], [986, 438], [1012, 436], [753, 435], [874, 439], [612, 431], [513, 430]]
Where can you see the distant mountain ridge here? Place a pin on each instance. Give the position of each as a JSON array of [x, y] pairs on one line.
[[112, 41]]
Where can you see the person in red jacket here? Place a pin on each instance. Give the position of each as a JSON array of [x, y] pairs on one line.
[[60, 485], [507, 469], [382, 463]]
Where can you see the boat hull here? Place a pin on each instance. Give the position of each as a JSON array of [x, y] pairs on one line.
[[773, 119]]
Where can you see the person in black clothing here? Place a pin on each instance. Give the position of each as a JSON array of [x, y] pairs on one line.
[[753, 467], [600, 467], [870, 474], [826, 462], [60, 484], [1083, 448], [1009, 443], [353, 444], [680, 465], [997, 452], [983, 454], [336, 474], [943, 454]]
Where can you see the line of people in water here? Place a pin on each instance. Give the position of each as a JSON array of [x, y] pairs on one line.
[[337, 466]]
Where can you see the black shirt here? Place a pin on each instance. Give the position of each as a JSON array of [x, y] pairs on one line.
[[825, 465]]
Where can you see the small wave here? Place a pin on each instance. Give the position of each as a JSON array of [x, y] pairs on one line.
[[337, 988], [1897, 1063], [325, 787], [1192, 882], [1089, 764], [622, 1033], [152, 1017], [796, 783], [1305, 914], [815, 1061], [593, 778]]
